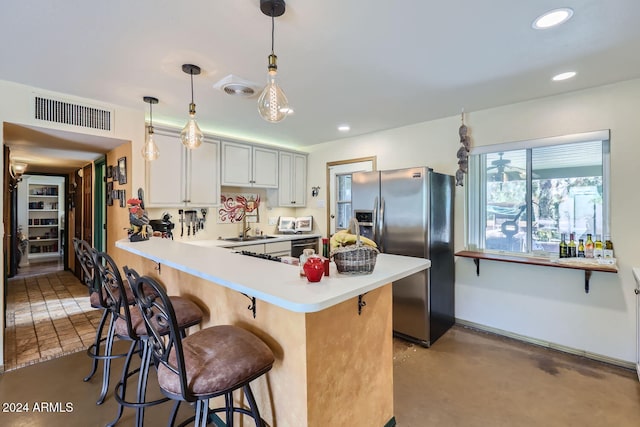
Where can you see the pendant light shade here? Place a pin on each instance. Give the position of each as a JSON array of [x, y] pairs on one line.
[[191, 134], [273, 105], [150, 149]]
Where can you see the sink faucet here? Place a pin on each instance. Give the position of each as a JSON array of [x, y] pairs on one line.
[[245, 229]]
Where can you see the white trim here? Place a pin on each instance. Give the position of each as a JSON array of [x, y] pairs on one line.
[[598, 135]]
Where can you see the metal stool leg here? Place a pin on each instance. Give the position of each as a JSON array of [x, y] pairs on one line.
[[143, 376], [108, 350], [121, 387], [252, 404], [94, 350]]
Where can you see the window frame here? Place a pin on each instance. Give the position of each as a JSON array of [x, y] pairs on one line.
[[476, 197]]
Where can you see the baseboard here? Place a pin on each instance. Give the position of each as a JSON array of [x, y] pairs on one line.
[[391, 422], [565, 349]]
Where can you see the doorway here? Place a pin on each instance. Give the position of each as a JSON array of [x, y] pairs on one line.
[[40, 214], [339, 190]]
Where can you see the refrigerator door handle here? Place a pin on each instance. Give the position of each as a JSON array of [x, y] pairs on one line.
[[375, 220], [381, 226]]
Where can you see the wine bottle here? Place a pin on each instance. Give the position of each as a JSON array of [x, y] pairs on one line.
[[597, 247], [580, 248], [563, 246], [572, 250], [608, 247], [588, 247]]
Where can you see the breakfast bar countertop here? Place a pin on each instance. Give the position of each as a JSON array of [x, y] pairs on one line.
[[276, 283]]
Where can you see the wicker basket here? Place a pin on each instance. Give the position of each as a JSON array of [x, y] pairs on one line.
[[355, 259]]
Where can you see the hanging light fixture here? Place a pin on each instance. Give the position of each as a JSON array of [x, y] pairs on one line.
[[272, 103], [150, 149], [191, 134]]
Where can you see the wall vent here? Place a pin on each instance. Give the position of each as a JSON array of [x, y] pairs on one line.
[[73, 114]]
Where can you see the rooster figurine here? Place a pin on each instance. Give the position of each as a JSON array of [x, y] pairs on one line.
[[140, 228]]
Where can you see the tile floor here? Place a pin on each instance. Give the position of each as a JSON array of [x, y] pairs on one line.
[[48, 316]]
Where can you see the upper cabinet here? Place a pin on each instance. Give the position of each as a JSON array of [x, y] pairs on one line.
[[246, 165], [293, 179], [182, 177]]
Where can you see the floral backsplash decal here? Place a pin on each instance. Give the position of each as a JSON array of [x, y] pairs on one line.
[[236, 206]]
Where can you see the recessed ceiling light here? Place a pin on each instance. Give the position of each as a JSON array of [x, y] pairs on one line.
[[552, 18], [344, 128], [563, 76]]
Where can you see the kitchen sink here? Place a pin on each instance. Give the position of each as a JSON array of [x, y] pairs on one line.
[[248, 238]]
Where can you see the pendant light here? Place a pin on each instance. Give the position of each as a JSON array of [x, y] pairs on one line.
[[191, 134], [272, 103], [150, 149]]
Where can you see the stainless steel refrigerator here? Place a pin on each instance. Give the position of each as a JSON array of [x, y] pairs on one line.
[[410, 212]]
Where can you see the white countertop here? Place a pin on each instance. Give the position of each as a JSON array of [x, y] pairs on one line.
[[276, 283]]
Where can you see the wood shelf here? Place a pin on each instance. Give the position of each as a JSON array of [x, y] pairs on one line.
[[43, 208], [544, 262]]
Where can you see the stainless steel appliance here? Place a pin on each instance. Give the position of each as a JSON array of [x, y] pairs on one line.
[[299, 245], [410, 212]]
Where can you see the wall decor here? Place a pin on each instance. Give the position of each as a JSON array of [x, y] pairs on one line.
[[109, 193], [463, 152], [236, 206], [122, 196], [122, 170], [109, 174]]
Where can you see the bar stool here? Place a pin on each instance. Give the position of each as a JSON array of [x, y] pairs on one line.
[[100, 298], [129, 326], [212, 362]]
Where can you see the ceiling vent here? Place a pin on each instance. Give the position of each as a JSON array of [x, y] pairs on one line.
[[237, 86], [72, 113]]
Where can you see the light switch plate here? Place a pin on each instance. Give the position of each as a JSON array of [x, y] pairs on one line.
[[273, 220], [320, 204]]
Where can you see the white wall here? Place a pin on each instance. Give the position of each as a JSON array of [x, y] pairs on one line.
[[544, 303]]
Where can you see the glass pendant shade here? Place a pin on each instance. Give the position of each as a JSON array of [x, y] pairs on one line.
[[150, 149], [272, 104], [191, 134]]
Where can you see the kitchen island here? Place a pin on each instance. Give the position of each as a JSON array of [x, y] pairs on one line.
[[332, 340]]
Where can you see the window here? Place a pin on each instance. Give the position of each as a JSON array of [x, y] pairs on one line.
[[343, 201], [524, 196]]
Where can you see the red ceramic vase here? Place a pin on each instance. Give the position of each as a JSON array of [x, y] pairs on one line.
[[314, 268]]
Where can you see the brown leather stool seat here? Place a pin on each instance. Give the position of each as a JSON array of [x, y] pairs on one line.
[[217, 358], [211, 362]]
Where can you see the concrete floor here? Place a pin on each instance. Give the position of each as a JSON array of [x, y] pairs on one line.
[[467, 378], [470, 378]]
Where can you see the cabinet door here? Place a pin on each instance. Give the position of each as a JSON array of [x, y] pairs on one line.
[[236, 164], [299, 183], [203, 183], [293, 179], [265, 168], [165, 176]]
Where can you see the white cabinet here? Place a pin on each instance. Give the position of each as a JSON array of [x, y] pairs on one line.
[[182, 177], [292, 180], [44, 209], [246, 165]]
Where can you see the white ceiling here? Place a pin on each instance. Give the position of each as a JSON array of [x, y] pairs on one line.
[[373, 64]]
